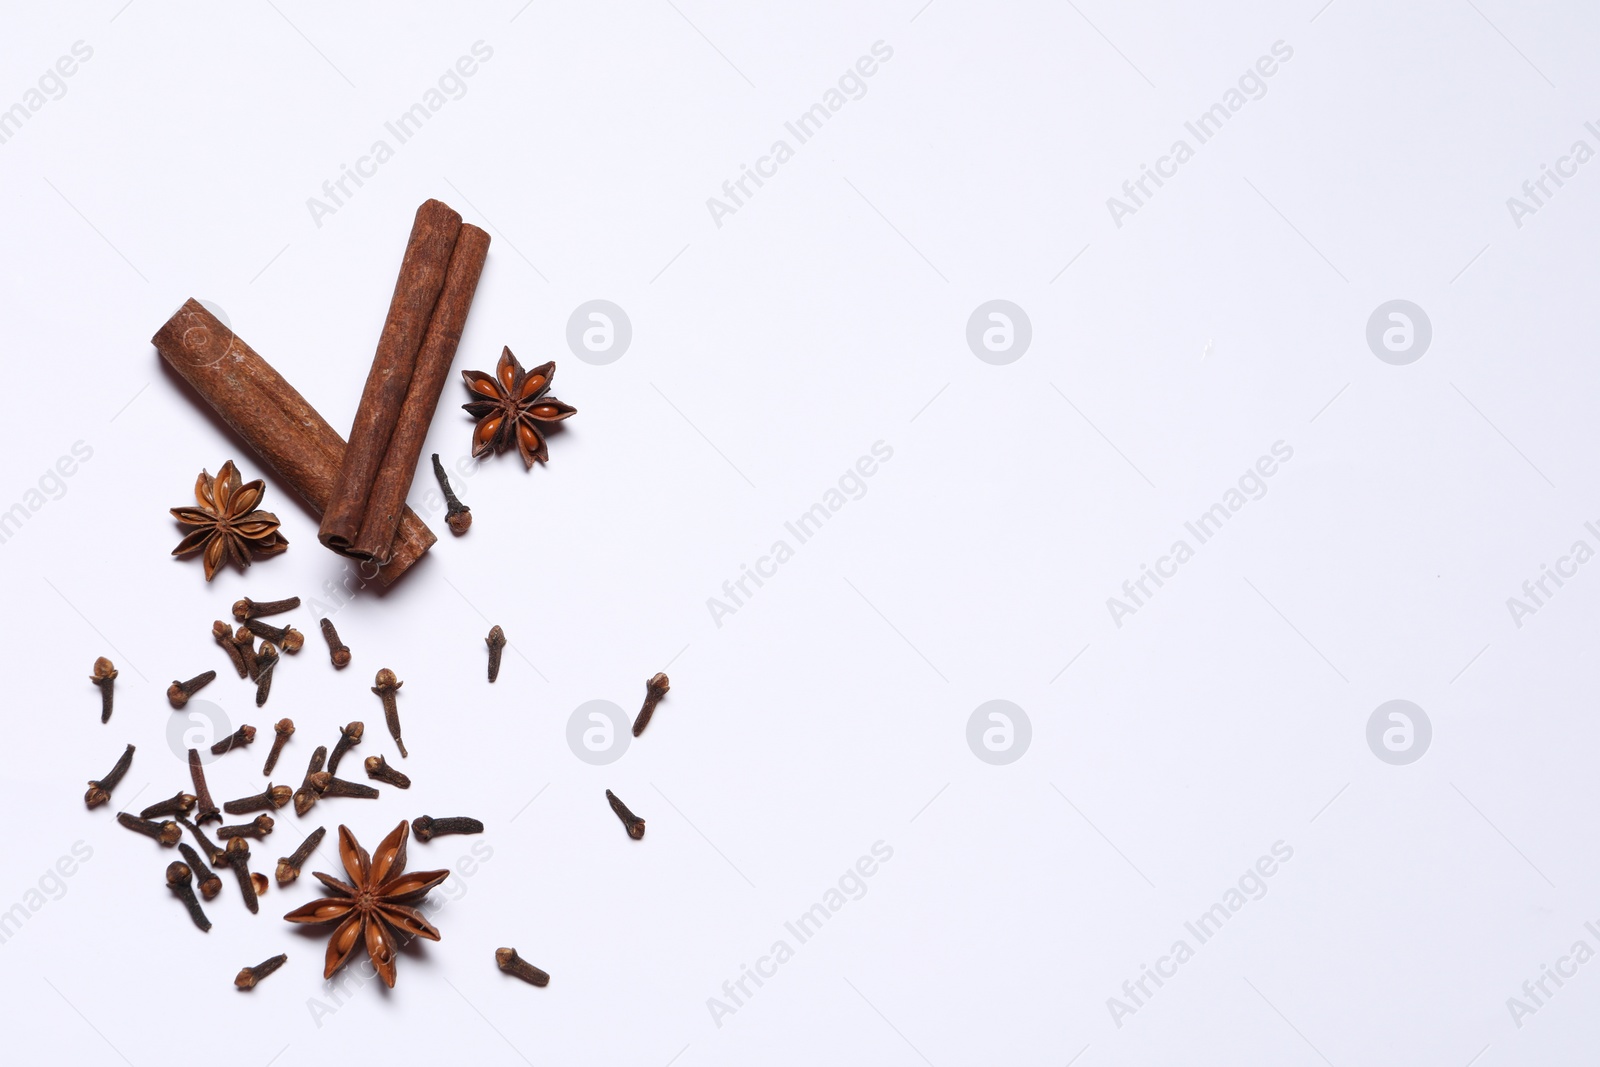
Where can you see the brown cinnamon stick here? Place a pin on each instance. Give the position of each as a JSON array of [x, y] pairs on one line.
[[387, 498], [416, 292], [283, 430]]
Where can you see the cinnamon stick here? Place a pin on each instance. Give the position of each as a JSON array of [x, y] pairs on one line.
[[387, 498], [283, 430], [416, 292]]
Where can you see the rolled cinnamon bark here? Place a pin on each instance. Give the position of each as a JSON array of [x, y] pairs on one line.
[[387, 499], [416, 292], [284, 431]]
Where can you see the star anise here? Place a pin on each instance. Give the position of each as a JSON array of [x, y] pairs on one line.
[[513, 407], [226, 523], [373, 911]]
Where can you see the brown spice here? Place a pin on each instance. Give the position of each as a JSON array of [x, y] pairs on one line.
[[100, 790]]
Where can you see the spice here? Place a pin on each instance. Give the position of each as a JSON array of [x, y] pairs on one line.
[[512, 407], [238, 857], [283, 730], [259, 883], [249, 976], [178, 693], [206, 809], [427, 828], [180, 881], [337, 652], [511, 963], [327, 785], [634, 824], [213, 853], [210, 884], [284, 431], [238, 739], [285, 637], [225, 524], [167, 833], [104, 676], [349, 737], [289, 866], [269, 799], [496, 642], [457, 515], [258, 828], [375, 910], [250, 609], [386, 685], [380, 771], [266, 661], [180, 803], [307, 794], [100, 790], [654, 690], [224, 637], [245, 642]]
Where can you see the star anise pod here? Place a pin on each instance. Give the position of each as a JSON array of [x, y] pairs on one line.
[[374, 910], [513, 406], [226, 523]]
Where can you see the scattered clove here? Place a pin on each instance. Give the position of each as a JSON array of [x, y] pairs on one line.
[[100, 790], [496, 642], [654, 690], [245, 642], [289, 866], [249, 976], [214, 854], [206, 810], [266, 660], [238, 857], [165, 832], [249, 609], [458, 516], [270, 799], [210, 884], [349, 737], [259, 882], [224, 635], [258, 828], [379, 771], [285, 637], [307, 794], [178, 693], [283, 729], [180, 881], [238, 739], [427, 828], [634, 824], [180, 803], [386, 685], [337, 652], [104, 676], [327, 785], [511, 963]]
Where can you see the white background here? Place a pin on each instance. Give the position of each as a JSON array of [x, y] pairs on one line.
[[830, 711]]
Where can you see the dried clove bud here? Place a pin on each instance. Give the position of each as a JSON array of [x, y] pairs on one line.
[[249, 976], [238, 739], [511, 963], [213, 853], [337, 652], [207, 809], [634, 824], [180, 881], [285, 637], [257, 828], [266, 660], [654, 690], [307, 794], [327, 785], [104, 676], [245, 642], [238, 857], [167, 832], [349, 737], [427, 828], [289, 866], [496, 642], [178, 693], [283, 729], [380, 771], [250, 609], [224, 635], [210, 884], [458, 516], [269, 799], [180, 803], [386, 685], [100, 790]]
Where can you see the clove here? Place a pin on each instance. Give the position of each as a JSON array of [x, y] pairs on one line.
[[379, 771], [283, 729], [289, 866], [180, 881], [214, 854], [285, 637], [224, 635], [496, 642], [206, 809], [386, 685], [178, 693], [458, 516], [270, 799], [427, 828], [249, 976], [266, 660], [337, 652], [210, 884], [511, 963], [104, 676], [250, 609], [258, 828], [634, 824], [238, 739], [245, 642], [307, 794], [349, 737], [100, 790], [180, 803], [165, 832], [654, 690], [238, 857], [327, 785]]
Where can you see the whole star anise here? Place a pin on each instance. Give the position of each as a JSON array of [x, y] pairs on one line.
[[226, 523], [513, 408], [374, 910]]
